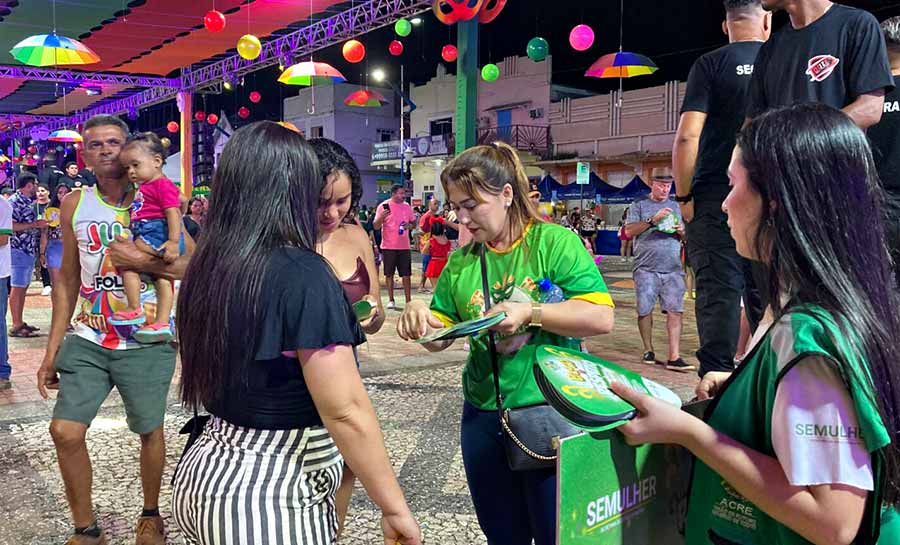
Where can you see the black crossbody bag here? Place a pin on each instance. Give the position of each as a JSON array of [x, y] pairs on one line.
[[530, 434]]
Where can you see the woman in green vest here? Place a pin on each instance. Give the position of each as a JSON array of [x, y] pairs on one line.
[[488, 188], [800, 445]]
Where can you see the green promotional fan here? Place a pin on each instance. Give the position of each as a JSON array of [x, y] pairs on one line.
[[362, 309], [464, 329], [577, 386]]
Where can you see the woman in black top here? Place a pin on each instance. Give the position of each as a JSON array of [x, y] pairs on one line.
[[193, 220], [271, 357]]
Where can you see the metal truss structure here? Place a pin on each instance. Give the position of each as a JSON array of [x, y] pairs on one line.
[[79, 77], [296, 45]]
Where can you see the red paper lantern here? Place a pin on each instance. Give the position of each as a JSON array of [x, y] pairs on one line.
[[32, 149], [449, 53], [255, 97], [214, 21], [172, 126], [212, 119], [396, 48], [200, 115], [490, 10], [243, 112], [354, 51], [18, 124], [453, 11]]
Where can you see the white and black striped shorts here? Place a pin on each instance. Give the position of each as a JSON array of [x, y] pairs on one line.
[[248, 486]]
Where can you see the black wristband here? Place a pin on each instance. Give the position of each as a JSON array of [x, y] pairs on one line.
[[686, 199]]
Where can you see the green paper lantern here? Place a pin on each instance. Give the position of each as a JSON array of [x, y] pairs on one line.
[[537, 49], [402, 27], [490, 72]]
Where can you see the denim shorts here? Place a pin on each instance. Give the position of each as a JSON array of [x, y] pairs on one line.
[[22, 268], [667, 288], [154, 233], [54, 253]]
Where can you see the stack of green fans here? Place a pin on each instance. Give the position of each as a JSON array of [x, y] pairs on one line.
[[577, 386]]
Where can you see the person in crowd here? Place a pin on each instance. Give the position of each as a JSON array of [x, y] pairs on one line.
[[99, 356], [658, 275], [438, 250], [711, 114], [346, 247], [90, 179], [41, 203], [395, 218], [156, 226], [587, 226], [193, 220], [6, 234], [488, 188], [626, 248], [7, 193], [292, 382], [885, 137], [829, 53], [49, 174], [430, 217], [71, 178], [23, 247], [824, 359], [51, 239]]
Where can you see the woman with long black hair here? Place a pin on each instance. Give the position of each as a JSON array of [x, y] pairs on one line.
[[801, 444], [270, 355]]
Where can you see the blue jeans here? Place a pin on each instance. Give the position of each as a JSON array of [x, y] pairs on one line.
[[5, 369], [513, 507]]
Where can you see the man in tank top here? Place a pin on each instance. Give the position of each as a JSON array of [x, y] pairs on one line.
[[87, 364]]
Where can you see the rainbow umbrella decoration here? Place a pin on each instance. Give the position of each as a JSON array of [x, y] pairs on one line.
[[64, 135], [623, 64], [309, 73], [364, 98], [52, 50]]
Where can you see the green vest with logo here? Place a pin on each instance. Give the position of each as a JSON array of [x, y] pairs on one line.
[[718, 514]]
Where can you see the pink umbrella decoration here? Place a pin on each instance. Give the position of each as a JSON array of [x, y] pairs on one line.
[[365, 98]]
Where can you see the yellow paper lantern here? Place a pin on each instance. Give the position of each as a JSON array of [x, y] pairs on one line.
[[249, 47]]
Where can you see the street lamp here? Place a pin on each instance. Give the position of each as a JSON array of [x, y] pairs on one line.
[[416, 21], [378, 74]]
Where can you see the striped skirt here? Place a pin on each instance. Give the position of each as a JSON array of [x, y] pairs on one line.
[[246, 486]]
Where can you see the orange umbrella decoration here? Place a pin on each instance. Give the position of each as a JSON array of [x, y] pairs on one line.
[[365, 98]]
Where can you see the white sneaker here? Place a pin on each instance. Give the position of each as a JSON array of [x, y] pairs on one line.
[[391, 305], [46, 291]]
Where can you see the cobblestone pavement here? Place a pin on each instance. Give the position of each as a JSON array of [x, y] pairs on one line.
[[417, 396]]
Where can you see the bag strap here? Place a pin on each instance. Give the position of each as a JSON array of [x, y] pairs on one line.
[[492, 343]]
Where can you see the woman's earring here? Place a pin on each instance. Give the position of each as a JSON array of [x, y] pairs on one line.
[[508, 204]]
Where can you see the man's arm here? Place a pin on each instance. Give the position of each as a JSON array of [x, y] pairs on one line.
[[866, 110], [380, 216], [684, 152], [125, 255]]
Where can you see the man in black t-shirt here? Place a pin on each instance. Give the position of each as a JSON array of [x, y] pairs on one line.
[[885, 137], [714, 104], [828, 53]]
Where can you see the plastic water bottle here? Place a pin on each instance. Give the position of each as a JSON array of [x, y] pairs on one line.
[[402, 230], [550, 292]]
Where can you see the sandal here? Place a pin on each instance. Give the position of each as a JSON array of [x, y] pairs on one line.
[[23, 333], [30, 327], [128, 317], [153, 333]]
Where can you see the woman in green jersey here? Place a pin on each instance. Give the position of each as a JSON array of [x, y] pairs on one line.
[[488, 188], [800, 445]]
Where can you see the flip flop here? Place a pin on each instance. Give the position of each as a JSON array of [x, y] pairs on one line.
[[30, 327]]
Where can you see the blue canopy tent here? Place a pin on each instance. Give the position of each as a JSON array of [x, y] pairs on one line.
[[635, 189]]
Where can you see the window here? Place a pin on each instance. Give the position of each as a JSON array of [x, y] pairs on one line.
[[385, 135], [441, 126], [316, 132]]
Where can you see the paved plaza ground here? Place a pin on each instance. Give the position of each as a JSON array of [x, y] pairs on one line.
[[417, 396]]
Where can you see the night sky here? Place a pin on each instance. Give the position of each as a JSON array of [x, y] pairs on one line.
[[671, 32]]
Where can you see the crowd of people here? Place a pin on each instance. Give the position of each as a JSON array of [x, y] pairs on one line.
[[784, 204]]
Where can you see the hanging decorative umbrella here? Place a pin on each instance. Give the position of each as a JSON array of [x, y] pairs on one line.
[[64, 135], [623, 64], [53, 50], [365, 98], [309, 73]]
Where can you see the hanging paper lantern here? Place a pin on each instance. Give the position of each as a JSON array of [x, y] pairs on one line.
[[354, 51], [172, 127], [453, 11], [18, 124], [581, 38], [403, 27], [200, 115], [249, 47], [23, 151], [212, 119], [396, 48], [449, 53], [537, 49], [214, 21], [166, 143], [243, 112], [255, 97], [53, 50], [490, 10], [490, 72], [32, 149]]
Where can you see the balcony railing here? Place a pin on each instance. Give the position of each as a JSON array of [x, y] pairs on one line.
[[532, 138]]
